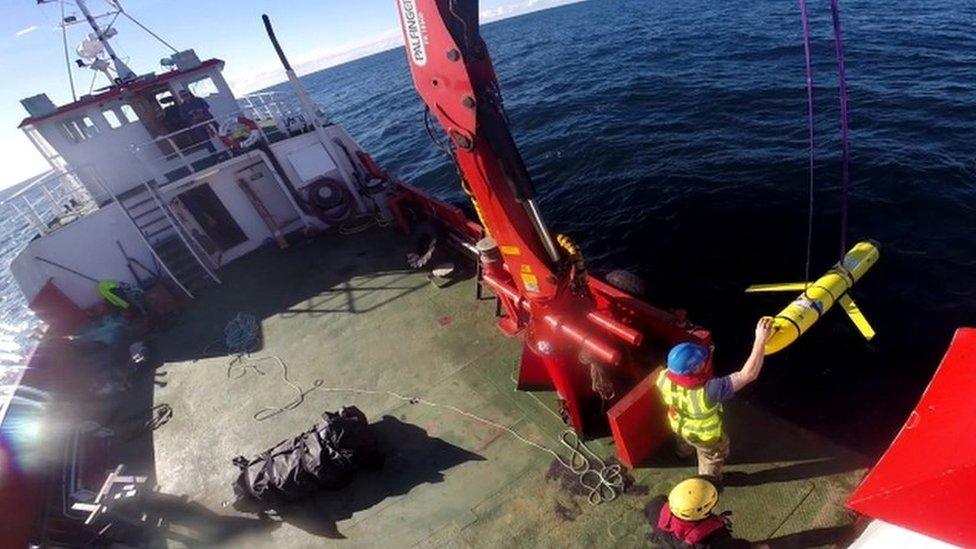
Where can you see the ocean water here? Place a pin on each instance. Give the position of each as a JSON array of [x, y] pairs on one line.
[[669, 138], [19, 327]]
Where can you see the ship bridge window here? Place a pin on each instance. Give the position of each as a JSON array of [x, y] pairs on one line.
[[165, 99], [129, 114], [112, 118], [203, 88], [79, 129], [88, 127], [120, 116]]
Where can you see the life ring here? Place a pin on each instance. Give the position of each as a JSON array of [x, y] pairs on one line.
[[329, 199], [239, 132]]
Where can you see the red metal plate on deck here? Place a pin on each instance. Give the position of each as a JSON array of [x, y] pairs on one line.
[[926, 480], [637, 422]]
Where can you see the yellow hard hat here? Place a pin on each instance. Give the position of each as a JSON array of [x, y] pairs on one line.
[[693, 499]]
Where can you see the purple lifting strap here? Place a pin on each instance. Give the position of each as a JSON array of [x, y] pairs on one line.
[[805, 20], [844, 138]]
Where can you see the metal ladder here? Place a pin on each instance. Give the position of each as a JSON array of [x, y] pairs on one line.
[[160, 230]]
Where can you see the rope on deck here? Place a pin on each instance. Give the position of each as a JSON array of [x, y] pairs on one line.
[[239, 367], [603, 482], [241, 338]]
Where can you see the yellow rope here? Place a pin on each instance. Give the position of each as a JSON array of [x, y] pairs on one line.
[[576, 258], [477, 207]]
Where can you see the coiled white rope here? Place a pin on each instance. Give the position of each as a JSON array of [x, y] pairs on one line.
[[607, 480]]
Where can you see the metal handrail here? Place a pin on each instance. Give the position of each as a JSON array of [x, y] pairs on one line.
[[163, 155], [281, 107], [169, 136], [172, 152], [54, 197], [152, 250], [249, 104]]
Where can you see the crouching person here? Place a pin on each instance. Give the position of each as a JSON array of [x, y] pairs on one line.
[[685, 520]]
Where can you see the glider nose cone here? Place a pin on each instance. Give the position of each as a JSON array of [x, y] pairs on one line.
[[784, 333]]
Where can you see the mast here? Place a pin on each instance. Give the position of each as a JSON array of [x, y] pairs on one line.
[[315, 115], [125, 74]]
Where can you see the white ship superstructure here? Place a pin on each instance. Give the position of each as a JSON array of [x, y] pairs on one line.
[[172, 194]]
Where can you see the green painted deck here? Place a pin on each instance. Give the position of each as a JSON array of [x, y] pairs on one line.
[[344, 310]]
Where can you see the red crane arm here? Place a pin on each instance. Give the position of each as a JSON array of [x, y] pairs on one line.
[[454, 75], [582, 337]]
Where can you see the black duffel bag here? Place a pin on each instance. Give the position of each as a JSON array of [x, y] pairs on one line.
[[326, 456]]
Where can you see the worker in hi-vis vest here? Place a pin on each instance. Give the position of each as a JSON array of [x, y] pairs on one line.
[[694, 398]]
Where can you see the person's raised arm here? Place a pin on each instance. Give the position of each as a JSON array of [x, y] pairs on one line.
[[750, 370]]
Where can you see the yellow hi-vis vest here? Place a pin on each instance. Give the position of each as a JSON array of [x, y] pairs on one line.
[[690, 414]]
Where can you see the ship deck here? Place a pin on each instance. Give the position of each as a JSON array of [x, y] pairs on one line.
[[342, 309]]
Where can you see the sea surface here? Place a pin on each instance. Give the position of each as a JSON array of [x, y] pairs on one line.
[[19, 328], [669, 139]]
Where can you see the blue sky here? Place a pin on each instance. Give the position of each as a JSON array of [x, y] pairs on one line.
[[315, 33]]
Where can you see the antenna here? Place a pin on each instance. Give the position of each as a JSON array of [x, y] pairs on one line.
[[96, 44], [97, 41], [67, 60], [90, 50], [124, 72]]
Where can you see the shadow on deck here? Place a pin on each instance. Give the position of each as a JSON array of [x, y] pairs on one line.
[[309, 280], [412, 458], [757, 458], [179, 519], [345, 311]]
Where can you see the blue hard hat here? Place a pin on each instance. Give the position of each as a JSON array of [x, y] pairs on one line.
[[687, 358]]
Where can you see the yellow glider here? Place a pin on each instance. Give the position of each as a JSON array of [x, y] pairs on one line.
[[817, 297]]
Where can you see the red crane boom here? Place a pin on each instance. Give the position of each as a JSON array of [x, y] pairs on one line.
[[582, 337], [454, 75]]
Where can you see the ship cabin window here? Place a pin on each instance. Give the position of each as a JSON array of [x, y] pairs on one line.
[[120, 116], [112, 118], [165, 98], [203, 87], [88, 127], [79, 129], [129, 114]]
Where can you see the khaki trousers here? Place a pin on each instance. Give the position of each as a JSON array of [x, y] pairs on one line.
[[711, 455]]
